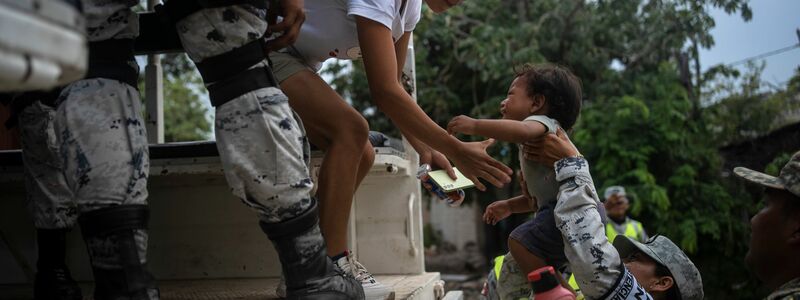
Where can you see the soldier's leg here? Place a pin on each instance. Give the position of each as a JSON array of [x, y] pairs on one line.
[[50, 202], [263, 149], [103, 146]]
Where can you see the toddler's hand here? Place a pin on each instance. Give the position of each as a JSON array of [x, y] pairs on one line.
[[461, 124], [496, 211]]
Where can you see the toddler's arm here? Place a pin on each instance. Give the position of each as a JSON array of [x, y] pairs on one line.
[[503, 130], [500, 210]]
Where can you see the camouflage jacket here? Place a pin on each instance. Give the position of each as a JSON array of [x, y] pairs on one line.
[[788, 291], [595, 262], [110, 19]]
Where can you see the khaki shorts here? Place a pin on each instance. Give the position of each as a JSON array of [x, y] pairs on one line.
[[285, 64]]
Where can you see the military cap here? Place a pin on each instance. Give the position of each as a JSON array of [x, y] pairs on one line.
[[789, 178], [666, 253]]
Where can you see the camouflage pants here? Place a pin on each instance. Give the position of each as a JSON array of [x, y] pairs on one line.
[[512, 282], [261, 142], [102, 144], [263, 149], [49, 197]]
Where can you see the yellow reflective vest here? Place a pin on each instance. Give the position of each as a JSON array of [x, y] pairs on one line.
[[633, 229]]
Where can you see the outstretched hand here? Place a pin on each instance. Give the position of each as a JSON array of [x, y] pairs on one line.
[[289, 27], [461, 124], [472, 160], [550, 148], [496, 212]]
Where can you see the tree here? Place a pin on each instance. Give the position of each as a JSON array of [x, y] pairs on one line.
[[643, 125], [185, 115], [749, 107]]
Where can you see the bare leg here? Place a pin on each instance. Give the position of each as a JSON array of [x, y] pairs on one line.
[[528, 262], [341, 131], [367, 159]]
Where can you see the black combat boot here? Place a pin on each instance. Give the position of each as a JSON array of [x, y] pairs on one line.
[[309, 272], [117, 257], [53, 280]]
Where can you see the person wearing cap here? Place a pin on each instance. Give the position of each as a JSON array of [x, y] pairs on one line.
[[617, 205], [618, 223], [655, 269], [775, 238]]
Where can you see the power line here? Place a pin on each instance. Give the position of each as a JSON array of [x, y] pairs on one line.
[[770, 53], [767, 54]]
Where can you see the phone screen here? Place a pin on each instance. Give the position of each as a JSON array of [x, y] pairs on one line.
[[447, 184]]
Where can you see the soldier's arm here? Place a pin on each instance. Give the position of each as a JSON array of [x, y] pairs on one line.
[[595, 262]]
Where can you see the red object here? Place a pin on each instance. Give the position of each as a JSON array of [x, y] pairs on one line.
[[546, 285]]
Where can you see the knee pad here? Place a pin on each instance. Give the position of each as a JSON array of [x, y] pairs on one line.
[[298, 225]]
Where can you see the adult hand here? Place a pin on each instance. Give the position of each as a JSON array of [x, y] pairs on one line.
[[496, 211], [472, 160], [461, 124], [289, 27], [550, 148], [437, 161], [524, 186]]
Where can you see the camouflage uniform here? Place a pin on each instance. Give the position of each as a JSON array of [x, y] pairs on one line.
[[49, 200], [104, 161], [788, 291], [264, 153], [49, 197], [595, 262], [507, 281], [93, 142], [262, 143]]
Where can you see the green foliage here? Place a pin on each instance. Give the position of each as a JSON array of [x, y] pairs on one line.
[[750, 107], [774, 167], [185, 115], [646, 123]]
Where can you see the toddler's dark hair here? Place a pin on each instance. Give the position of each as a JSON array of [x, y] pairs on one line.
[[560, 88]]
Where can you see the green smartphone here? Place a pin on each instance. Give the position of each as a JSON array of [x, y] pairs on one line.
[[447, 184]]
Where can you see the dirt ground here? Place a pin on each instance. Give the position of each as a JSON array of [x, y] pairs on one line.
[[462, 269]]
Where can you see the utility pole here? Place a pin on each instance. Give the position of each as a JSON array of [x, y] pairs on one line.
[[154, 93]]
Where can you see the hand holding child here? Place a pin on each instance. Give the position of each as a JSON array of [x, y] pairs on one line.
[[550, 148], [461, 124]]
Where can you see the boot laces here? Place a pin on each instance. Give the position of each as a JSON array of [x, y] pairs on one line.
[[358, 270]]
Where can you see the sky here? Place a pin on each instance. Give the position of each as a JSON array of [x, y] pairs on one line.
[[772, 27]]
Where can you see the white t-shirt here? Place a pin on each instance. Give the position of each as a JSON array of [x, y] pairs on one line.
[[330, 31]]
